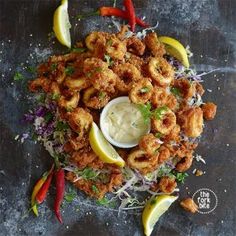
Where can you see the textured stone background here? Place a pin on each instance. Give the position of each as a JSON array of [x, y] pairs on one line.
[[208, 27]]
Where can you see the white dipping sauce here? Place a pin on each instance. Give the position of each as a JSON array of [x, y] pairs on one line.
[[124, 123]]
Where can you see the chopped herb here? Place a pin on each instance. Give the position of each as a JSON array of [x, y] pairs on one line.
[[180, 177], [134, 125], [48, 117], [95, 189], [108, 60], [158, 135], [145, 110], [69, 70], [78, 50], [18, 76], [70, 196], [69, 109], [31, 69], [101, 95], [144, 90], [98, 69], [61, 126], [35, 137], [88, 173], [159, 112], [175, 91], [106, 202], [51, 35], [109, 42], [153, 202], [91, 73], [53, 66], [55, 96], [165, 171], [41, 98]]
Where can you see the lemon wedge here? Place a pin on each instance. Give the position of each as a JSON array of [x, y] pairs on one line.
[[103, 148], [61, 24], [155, 207], [175, 49]]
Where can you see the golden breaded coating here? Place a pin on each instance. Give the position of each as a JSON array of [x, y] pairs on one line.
[[154, 45], [80, 121], [191, 121], [150, 144], [141, 91], [209, 110], [135, 46], [167, 184], [40, 83], [189, 205]]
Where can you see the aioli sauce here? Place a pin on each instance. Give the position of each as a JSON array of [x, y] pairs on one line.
[[124, 123]]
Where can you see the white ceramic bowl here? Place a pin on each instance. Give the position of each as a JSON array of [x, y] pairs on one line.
[[104, 129]]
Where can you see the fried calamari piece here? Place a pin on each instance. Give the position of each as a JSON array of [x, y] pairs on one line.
[[86, 158], [115, 48], [150, 144], [154, 45], [63, 58], [76, 143], [185, 163], [80, 121], [121, 35], [160, 71], [139, 160], [40, 83], [94, 40], [93, 65], [165, 122], [135, 46], [141, 91], [78, 83], [189, 205], [137, 61], [104, 80], [209, 110], [174, 135], [167, 184], [94, 98], [191, 121], [164, 154], [127, 74], [69, 102]]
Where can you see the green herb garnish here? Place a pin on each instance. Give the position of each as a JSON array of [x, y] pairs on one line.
[[31, 69], [106, 202], [18, 76], [95, 189], [158, 135], [88, 173], [145, 110], [180, 177], [70, 196], [159, 112], [108, 60], [109, 42], [55, 96], [69, 70], [144, 90], [101, 95], [61, 126], [48, 117], [175, 91], [53, 66], [78, 50]]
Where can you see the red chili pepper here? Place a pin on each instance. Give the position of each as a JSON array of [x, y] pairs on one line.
[[60, 190], [114, 11], [42, 193], [129, 6]]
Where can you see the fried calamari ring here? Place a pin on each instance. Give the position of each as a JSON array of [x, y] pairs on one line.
[[150, 144], [167, 184], [104, 80], [159, 97], [141, 91], [135, 46], [160, 71], [173, 135], [191, 121], [165, 123], [40, 83], [127, 74], [115, 48], [77, 84], [185, 163], [92, 65], [80, 121], [70, 102], [138, 160], [94, 39], [94, 98], [164, 154], [154, 45]]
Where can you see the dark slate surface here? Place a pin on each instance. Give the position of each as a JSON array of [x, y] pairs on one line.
[[208, 27]]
